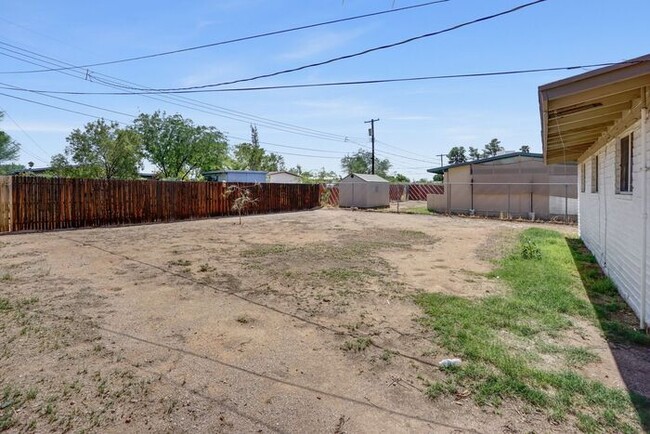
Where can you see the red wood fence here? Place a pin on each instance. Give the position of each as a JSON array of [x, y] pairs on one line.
[[41, 204]]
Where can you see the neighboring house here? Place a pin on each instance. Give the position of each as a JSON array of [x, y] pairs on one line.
[[284, 177], [246, 176], [514, 184], [599, 119], [364, 191]]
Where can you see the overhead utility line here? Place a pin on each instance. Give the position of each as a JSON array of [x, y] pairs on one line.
[[229, 41], [350, 83], [359, 53]]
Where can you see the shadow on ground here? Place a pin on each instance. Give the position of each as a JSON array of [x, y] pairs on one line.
[[629, 345]]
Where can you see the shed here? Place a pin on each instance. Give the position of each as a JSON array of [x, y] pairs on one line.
[[364, 191], [252, 176], [284, 177]]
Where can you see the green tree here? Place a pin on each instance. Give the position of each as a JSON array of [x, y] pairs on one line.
[[457, 155], [178, 147], [251, 156], [525, 149], [104, 150], [492, 148], [398, 177], [361, 162], [9, 149], [438, 177], [474, 153], [9, 169]]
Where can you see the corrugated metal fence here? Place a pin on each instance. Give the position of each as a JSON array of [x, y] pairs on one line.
[[41, 204]]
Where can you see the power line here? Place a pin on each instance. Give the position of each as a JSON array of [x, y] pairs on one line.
[[194, 104], [359, 53], [230, 41], [356, 82], [27, 135]]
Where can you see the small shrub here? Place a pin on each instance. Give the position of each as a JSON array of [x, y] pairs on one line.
[[530, 249], [357, 345]]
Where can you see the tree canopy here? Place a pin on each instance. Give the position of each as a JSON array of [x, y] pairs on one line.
[[251, 156], [457, 155], [361, 162], [104, 150], [492, 148], [525, 149], [178, 147], [9, 149]]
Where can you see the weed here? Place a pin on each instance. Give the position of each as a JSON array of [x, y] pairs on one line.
[[357, 345], [387, 356], [181, 262], [243, 319], [6, 277], [5, 304], [530, 249], [204, 268]]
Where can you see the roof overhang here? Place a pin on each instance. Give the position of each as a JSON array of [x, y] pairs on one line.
[[582, 113]]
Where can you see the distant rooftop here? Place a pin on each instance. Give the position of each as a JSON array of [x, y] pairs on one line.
[[503, 156]]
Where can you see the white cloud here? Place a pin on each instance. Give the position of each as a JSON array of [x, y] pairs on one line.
[[320, 43]]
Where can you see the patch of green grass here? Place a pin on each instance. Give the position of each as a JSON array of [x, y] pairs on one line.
[[264, 250], [357, 345], [422, 210], [339, 275], [5, 304], [545, 295]]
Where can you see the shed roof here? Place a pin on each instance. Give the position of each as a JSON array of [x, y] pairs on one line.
[[366, 177], [585, 111], [443, 169], [217, 172], [283, 171]]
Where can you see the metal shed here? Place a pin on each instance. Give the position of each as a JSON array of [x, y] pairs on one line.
[[245, 176], [364, 191]]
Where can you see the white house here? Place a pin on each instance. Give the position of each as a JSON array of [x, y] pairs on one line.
[[600, 120], [284, 177]]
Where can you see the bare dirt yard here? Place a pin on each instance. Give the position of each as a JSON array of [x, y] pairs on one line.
[[301, 322]]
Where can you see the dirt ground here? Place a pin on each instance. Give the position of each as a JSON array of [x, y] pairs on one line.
[[299, 322]]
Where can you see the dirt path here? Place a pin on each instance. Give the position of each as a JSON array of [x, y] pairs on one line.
[[290, 323]]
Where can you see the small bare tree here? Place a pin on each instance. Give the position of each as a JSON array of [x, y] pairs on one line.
[[243, 198]]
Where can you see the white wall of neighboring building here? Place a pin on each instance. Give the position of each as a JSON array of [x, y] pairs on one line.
[[611, 223], [283, 178]]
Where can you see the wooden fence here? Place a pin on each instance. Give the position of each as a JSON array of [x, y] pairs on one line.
[[397, 192], [42, 204]]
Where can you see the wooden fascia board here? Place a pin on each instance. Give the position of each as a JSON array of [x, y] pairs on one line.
[[628, 119], [595, 94]]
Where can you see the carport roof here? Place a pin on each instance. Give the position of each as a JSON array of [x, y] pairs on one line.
[[443, 169], [584, 112]]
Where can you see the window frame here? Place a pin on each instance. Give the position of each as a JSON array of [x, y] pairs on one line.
[[583, 177], [625, 164], [595, 175]]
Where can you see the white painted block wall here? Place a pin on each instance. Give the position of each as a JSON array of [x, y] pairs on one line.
[[610, 224]]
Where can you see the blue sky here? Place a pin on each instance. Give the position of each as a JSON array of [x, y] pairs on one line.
[[417, 120]]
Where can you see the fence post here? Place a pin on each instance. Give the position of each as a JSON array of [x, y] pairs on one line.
[[566, 203], [508, 216]]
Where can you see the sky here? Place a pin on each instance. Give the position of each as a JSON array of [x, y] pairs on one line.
[[310, 127]]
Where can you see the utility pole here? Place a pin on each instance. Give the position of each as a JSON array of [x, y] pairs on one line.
[[371, 131], [441, 155]]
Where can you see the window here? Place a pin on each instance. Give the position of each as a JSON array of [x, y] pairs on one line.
[[582, 177], [625, 161], [594, 174]]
